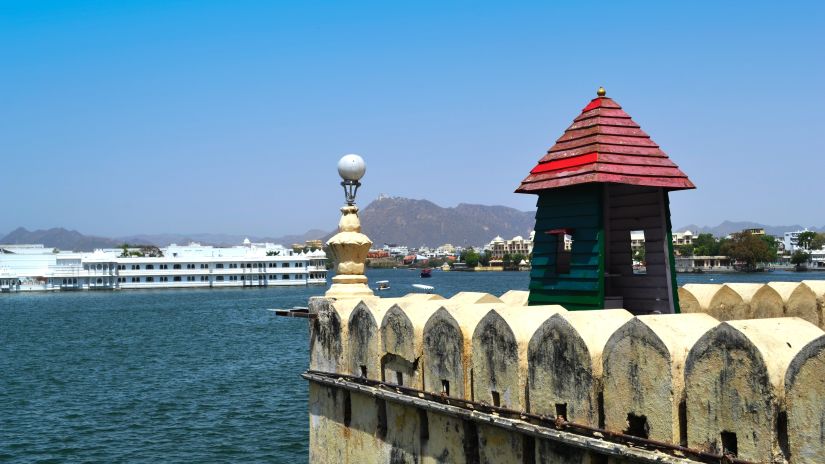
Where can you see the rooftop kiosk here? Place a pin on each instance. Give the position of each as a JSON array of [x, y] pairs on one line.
[[603, 180]]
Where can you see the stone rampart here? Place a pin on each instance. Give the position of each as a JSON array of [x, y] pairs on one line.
[[738, 301], [752, 388]]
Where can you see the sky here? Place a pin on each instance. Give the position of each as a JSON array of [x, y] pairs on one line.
[[128, 117]]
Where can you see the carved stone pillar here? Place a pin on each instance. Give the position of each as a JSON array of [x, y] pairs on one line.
[[349, 248]]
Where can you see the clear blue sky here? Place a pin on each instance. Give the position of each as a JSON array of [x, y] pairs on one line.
[[228, 117]]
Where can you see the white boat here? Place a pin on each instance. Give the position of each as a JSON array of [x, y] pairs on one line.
[[426, 288], [383, 285], [38, 268]]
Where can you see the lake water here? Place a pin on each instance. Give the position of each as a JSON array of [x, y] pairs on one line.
[[181, 375]]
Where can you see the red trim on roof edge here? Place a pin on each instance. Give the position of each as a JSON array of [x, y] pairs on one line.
[[563, 163]]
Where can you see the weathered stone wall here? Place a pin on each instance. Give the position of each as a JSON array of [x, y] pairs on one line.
[[731, 302], [754, 387]]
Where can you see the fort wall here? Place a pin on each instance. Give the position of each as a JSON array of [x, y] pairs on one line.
[[479, 378]]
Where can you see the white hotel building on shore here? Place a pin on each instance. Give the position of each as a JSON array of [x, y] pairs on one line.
[[36, 268]]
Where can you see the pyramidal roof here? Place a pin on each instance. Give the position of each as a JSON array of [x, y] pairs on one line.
[[604, 145]]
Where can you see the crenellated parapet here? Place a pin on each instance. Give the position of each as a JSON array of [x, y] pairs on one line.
[[753, 387], [738, 301]]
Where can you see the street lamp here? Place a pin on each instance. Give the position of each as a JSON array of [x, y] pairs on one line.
[[351, 168], [349, 247]]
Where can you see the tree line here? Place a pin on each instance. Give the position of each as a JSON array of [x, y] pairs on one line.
[[751, 250]]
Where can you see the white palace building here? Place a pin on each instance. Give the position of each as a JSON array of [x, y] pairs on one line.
[[36, 268]]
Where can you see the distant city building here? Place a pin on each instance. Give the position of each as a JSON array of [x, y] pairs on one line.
[[448, 249], [682, 238], [499, 247], [396, 250], [637, 239], [378, 254], [755, 231], [703, 264], [790, 240], [309, 244]]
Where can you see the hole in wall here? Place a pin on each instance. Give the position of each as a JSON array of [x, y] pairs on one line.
[[600, 408], [472, 386], [564, 253], [782, 432], [424, 425], [399, 378], [528, 449], [729, 445], [445, 387], [496, 398], [637, 426], [561, 410], [471, 451], [381, 427], [363, 371], [347, 408], [683, 433], [637, 251]]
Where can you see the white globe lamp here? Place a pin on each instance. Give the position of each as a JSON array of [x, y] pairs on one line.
[[351, 168]]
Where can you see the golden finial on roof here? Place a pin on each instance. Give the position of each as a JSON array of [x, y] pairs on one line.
[[601, 92]]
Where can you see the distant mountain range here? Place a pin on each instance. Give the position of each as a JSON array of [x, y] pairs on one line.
[[59, 238], [729, 227], [396, 220], [421, 222], [386, 220], [64, 239]]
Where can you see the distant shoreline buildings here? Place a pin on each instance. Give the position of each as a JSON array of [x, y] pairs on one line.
[[37, 268]]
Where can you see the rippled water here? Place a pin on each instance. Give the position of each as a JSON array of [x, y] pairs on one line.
[[178, 375]]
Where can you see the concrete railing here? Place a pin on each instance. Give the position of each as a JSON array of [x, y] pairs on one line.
[[752, 387]]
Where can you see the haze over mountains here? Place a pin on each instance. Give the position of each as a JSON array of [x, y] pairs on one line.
[[397, 220], [729, 227]]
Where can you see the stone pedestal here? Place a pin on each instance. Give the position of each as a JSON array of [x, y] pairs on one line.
[[349, 248]]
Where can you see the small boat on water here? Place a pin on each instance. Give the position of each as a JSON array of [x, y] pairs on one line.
[[383, 285], [426, 288], [426, 272]]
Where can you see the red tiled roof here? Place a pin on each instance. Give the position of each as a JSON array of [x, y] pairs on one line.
[[604, 145]]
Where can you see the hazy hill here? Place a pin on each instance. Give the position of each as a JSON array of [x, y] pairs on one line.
[[73, 240], [60, 238], [162, 240], [729, 227], [422, 222]]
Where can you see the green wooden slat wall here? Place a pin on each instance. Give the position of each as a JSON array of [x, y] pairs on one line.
[[580, 208]]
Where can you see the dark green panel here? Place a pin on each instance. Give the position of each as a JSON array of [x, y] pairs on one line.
[[578, 208], [670, 257]]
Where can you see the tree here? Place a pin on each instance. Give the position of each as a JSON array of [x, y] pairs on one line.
[[748, 249], [773, 244], [804, 239], [469, 257], [273, 252], [484, 259], [705, 245], [800, 257], [818, 242], [682, 250], [436, 262], [639, 254], [517, 258]]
